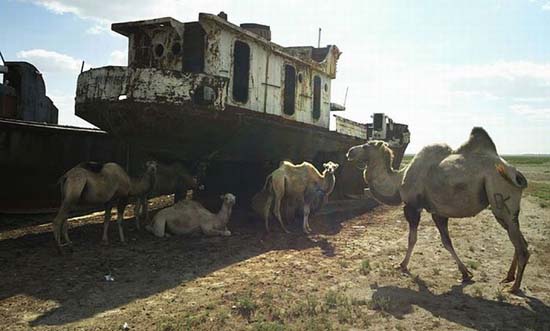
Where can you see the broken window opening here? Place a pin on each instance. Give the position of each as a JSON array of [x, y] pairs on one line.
[[316, 97], [143, 52], [241, 71], [204, 95], [176, 48], [194, 39], [289, 96], [159, 50]]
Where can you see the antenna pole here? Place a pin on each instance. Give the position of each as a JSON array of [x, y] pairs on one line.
[[319, 39], [2, 56], [346, 96], [82, 67]]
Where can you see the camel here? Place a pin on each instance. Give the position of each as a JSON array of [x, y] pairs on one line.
[[189, 217], [171, 178], [94, 184], [450, 184], [300, 186]]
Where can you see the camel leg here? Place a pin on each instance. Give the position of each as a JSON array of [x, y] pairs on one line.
[[413, 217], [505, 205], [179, 195], [305, 226], [215, 232], [66, 233], [277, 212], [106, 222], [442, 226], [521, 255], [120, 217], [511, 275], [158, 226], [138, 212], [267, 212], [58, 224]]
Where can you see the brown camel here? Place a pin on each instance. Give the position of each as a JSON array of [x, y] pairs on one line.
[[171, 178], [300, 186], [450, 183], [95, 184]]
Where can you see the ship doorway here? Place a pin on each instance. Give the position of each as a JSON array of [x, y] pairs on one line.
[[193, 48], [289, 97], [241, 71], [316, 97]]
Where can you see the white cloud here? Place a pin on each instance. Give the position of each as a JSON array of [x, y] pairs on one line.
[[51, 61], [537, 114], [119, 58], [98, 28], [546, 6]]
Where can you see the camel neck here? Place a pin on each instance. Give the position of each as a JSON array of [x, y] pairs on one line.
[[328, 182], [224, 212], [384, 182], [142, 184]]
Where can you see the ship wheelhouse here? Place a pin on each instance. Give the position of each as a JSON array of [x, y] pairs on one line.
[[215, 64]]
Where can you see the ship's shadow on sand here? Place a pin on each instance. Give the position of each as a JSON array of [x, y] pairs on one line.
[[144, 267]]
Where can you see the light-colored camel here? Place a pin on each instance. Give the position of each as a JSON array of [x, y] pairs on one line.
[[171, 178], [188, 217], [94, 184], [300, 186], [450, 183]]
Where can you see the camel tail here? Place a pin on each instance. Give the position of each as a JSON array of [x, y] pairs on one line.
[[512, 175], [267, 182]]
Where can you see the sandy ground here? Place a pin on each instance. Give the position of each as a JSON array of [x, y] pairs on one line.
[[342, 277]]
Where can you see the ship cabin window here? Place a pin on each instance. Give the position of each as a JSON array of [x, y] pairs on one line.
[[316, 97], [192, 50], [241, 71], [289, 97]]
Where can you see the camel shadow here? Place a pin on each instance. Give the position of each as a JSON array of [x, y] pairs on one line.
[[144, 267], [471, 312]]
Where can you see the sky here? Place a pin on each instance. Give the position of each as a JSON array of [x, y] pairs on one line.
[[440, 66]]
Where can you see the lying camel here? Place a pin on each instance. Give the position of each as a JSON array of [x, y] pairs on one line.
[[188, 216], [171, 178], [95, 184], [450, 183], [301, 186]]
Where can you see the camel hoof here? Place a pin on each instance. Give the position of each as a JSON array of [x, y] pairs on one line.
[[514, 290], [467, 278], [508, 279], [402, 268], [105, 242]]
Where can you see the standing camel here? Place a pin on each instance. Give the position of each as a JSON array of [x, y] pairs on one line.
[[450, 183], [302, 186], [95, 184], [171, 178]]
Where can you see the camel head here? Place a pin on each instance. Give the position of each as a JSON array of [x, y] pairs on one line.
[[228, 199], [330, 167], [151, 167], [372, 150]]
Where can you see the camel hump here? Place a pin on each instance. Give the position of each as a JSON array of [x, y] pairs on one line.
[[479, 142], [92, 166]]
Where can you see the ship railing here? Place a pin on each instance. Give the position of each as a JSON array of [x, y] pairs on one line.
[[151, 85]]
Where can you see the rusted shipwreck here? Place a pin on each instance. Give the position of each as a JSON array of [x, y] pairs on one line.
[[225, 94], [221, 98]]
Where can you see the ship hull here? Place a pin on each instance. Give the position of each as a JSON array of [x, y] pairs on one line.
[[234, 134]]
